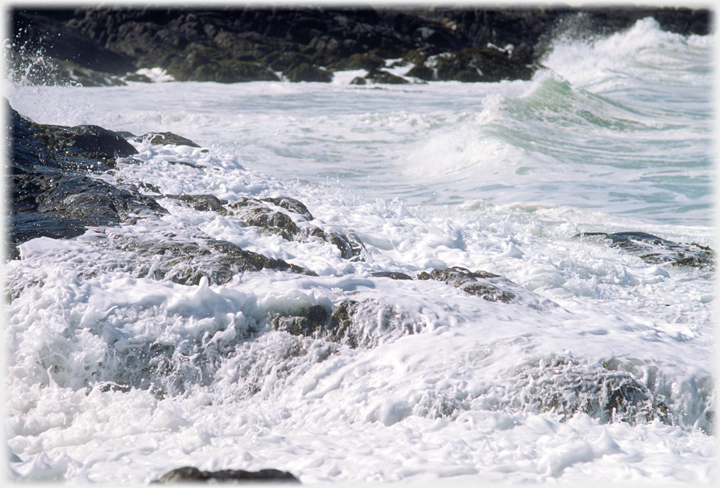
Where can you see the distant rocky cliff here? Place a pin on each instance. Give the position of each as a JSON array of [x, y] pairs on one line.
[[105, 46]]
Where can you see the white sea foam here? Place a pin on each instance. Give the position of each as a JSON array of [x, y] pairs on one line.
[[116, 377]]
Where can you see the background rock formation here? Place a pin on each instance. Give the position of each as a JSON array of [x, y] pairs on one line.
[[101, 46]]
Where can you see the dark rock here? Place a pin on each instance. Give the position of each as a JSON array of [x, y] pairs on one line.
[[137, 78], [350, 245], [307, 72], [367, 61], [228, 71], [230, 44], [480, 65], [291, 223], [33, 33], [566, 387], [416, 56], [189, 475], [186, 260], [25, 227], [62, 206], [392, 275], [421, 72], [292, 205], [49, 194], [201, 61], [185, 163], [342, 323], [382, 76], [325, 43], [479, 283], [286, 61], [254, 212], [656, 250], [306, 322], [77, 75], [82, 147], [83, 141], [358, 81], [351, 322], [39, 69], [49, 201], [355, 323], [203, 203], [93, 202], [166, 138]]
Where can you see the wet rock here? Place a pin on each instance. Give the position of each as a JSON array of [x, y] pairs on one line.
[[656, 250], [305, 322], [187, 259], [38, 69], [358, 81], [291, 222], [166, 138], [317, 322], [227, 71], [356, 323], [367, 61], [203, 203], [32, 33], [189, 475], [49, 201], [292, 205], [86, 141], [230, 45], [137, 78], [350, 245], [308, 72], [566, 387], [50, 194], [382, 76], [488, 286], [256, 213], [26, 227], [421, 72], [93, 202], [70, 143], [391, 274], [416, 56], [63, 206], [284, 61], [480, 65]]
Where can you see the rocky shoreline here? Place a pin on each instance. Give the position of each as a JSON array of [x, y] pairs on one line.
[[56, 191], [107, 46]]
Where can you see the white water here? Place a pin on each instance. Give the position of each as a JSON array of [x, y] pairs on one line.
[[498, 177]]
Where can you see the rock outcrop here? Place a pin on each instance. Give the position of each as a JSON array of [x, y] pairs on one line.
[[355, 323], [97, 46], [564, 386], [656, 250], [193, 475], [479, 283], [54, 193], [51, 191]]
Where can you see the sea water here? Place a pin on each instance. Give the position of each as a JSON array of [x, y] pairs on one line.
[[613, 134]]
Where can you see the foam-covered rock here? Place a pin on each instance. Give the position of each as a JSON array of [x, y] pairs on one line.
[[189, 474], [656, 250]]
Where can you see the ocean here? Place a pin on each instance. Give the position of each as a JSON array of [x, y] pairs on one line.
[[118, 375]]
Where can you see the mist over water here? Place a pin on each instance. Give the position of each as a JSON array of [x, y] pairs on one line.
[[117, 377]]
